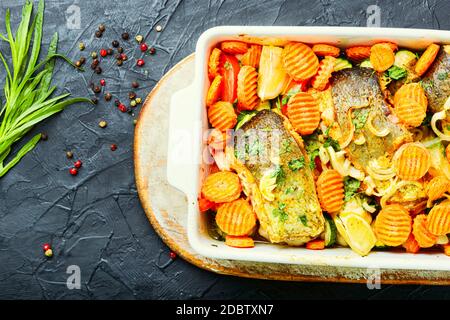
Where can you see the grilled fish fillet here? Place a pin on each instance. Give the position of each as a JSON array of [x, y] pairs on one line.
[[268, 148], [358, 88], [436, 82]]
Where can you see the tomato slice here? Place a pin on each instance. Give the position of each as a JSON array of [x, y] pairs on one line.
[[229, 71]]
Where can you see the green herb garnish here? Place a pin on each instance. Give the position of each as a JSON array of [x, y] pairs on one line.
[[442, 75], [296, 164], [330, 142], [396, 73], [304, 220], [243, 117], [360, 118], [279, 212], [279, 174], [286, 146], [27, 88], [351, 186]]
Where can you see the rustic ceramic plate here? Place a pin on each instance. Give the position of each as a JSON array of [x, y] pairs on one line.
[[166, 207]]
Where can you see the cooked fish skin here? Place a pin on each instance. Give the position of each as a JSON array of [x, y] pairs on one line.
[[294, 216], [436, 81], [358, 87]]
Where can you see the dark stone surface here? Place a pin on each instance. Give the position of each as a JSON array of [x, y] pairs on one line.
[[95, 220]]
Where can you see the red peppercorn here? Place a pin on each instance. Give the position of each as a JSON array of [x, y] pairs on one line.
[[144, 47], [73, 171], [172, 255], [103, 53], [123, 57], [102, 82], [46, 246], [78, 164], [122, 108], [113, 147], [140, 62]]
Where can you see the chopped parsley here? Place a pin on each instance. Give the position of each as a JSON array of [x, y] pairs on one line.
[[296, 164], [427, 85], [243, 117], [280, 213], [442, 75], [351, 186], [279, 174], [288, 95], [360, 118], [312, 146], [330, 142], [289, 190], [304, 220], [396, 73], [286, 146]]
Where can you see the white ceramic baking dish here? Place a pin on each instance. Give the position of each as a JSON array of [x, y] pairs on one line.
[[185, 168]]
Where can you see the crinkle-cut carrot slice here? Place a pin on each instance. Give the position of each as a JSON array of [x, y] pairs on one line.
[[299, 61], [214, 63], [330, 190], [303, 112], [439, 219], [424, 238], [411, 91], [234, 47], [252, 56], [426, 59], [236, 218], [411, 245], [412, 161], [358, 53], [222, 116], [436, 187], [221, 187], [410, 104], [381, 57], [393, 225], [325, 50], [247, 88], [326, 67], [214, 91], [205, 205], [239, 241]]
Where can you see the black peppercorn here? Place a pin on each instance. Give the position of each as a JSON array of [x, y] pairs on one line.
[[44, 136], [97, 89], [152, 50], [98, 70], [82, 60], [116, 102], [119, 62], [120, 50], [135, 84], [132, 95], [69, 154], [115, 43], [94, 100], [125, 36], [110, 52], [98, 34], [101, 28], [108, 96]]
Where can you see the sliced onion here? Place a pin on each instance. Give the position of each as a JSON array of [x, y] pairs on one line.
[[393, 190], [338, 162], [430, 143], [441, 115], [368, 207], [379, 133], [323, 155], [355, 173], [360, 140]]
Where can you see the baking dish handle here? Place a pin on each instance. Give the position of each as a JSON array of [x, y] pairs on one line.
[[183, 149]]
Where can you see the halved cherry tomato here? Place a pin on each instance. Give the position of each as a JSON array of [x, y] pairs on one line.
[[205, 205], [229, 71], [316, 245]]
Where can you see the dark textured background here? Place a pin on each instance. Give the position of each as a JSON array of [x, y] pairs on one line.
[[95, 220]]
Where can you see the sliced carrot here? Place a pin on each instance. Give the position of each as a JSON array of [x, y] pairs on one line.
[[439, 219], [436, 188], [234, 47], [303, 112], [410, 104], [424, 238], [391, 45], [358, 53], [411, 245], [299, 61], [412, 161], [214, 91], [252, 56], [381, 57], [316, 244], [326, 67], [330, 190], [236, 218], [205, 204], [324, 50], [446, 248], [393, 225], [223, 186], [222, 116], [426, 59], [247, 88], [214, 63], [239, 242]]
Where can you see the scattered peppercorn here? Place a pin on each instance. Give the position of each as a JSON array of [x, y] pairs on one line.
[[140, 62], [115, 43], [122, 108], [138, 100], [133, 103], [101, 28], [119, 62], [94, 64], [98, 70], [158, 28], [172, 255], [130, 112], [113, 147], [102, 124], [94, 55], [123, 57], [135, 84], [102, 82], [120, 50], [134, 121], [81, 46], [152, 50], [131, 95], [117, 56], [143, 47], [125, 36], [103, 53], [139, 38], [73, 171], [78, 63], [98, 34], [69, 154], [83, 60], [44, 136], [78, 164], [108, 96], [48, 253], [94, 100], [116, 102], [97, 89], [46, 246], [110, 52]]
